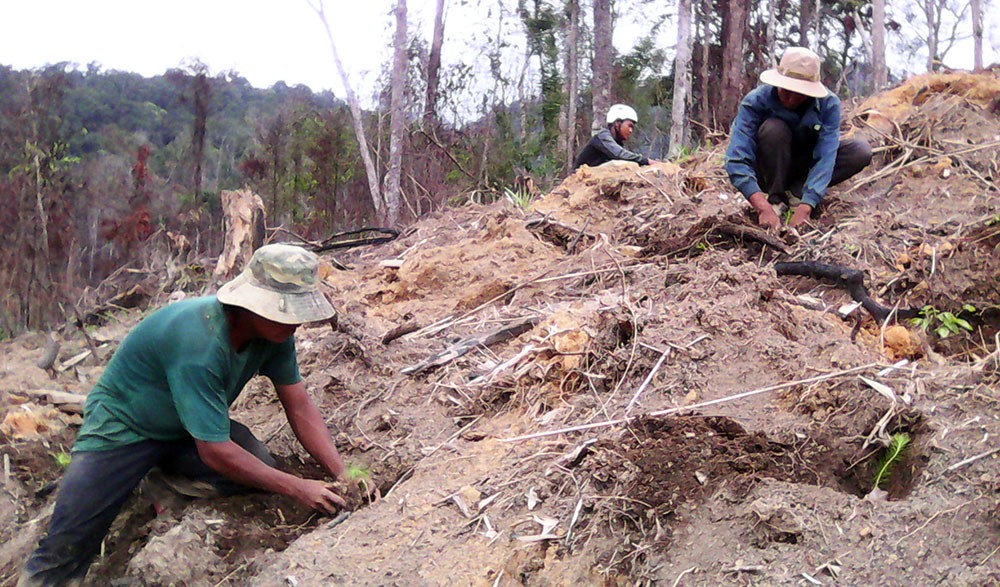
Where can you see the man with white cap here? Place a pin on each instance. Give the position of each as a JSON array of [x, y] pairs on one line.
[[785, 146], [609, 143], [164, 399]]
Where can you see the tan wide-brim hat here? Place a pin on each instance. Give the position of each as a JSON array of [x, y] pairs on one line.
[[280, 283], [798, 71]]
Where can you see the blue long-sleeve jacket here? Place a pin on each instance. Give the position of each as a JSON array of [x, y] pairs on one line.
[[819, 123]]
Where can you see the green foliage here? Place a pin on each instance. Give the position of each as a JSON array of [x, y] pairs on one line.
[[62, 458], [890, 458], [521, 198], [944, 324], [357, 472]]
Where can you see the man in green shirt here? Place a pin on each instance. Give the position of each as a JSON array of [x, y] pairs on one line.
[[164, 399]]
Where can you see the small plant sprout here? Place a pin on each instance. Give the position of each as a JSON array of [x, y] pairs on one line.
[[62, 458], [357, 472], [521, 198], [890, 458], [944, 324], [360, 475]]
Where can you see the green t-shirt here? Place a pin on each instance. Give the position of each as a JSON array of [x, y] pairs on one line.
[[175, 376]]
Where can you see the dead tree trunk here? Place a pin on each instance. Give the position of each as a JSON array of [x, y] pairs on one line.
[[603, 54], [881, 74], [434, 69], [571, 71], [679, 131], [392, 190], [356, 116], [977, 35], [735, 31]]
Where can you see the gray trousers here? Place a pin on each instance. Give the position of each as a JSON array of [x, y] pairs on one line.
[[783, 164], [95, 487]]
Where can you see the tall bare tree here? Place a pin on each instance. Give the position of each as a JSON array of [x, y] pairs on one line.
[[932, 13], [805, 21], [397, 120], [434, 68], [879, 71], [571, 71], [602, 62], [734, 33], [977, 34], [679, 131], [356, 115]]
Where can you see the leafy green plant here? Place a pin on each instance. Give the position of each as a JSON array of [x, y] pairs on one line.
[[944, 324], [62, 458], [520, 198], [891, 457], [356, 472]]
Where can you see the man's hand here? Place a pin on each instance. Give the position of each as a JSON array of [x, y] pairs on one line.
[[318, 495], [765, 213], [801, 215]]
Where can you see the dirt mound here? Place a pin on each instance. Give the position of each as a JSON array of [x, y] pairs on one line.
[[486, 368]]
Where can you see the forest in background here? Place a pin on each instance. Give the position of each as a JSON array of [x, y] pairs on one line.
[[94, 164]]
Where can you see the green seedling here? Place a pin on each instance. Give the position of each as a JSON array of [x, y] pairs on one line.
[[891, 457], [944, 323], [357, 472], [62, 459], [520, 198]]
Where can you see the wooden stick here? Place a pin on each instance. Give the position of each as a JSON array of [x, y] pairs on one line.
[[713, 402], [652, 373], [970, 460], [462, 347]]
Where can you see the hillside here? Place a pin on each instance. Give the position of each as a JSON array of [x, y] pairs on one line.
[[622, 294]]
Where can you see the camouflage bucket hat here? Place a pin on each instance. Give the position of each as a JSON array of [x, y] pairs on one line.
[[280, 283]]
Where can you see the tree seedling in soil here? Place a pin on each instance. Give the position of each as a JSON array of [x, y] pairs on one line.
[[520, 198], [62, 458], [890, 458], [944, 323]]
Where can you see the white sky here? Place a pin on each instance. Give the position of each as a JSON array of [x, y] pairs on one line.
[[267, 41], [263, 40]]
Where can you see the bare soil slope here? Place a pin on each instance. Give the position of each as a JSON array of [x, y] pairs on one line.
[[624, 292]]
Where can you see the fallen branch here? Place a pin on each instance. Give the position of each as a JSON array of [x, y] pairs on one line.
[[399, 331], [63, 400], [971, 460], [853, 280], [713, 402], [748, 232], [463, 347]]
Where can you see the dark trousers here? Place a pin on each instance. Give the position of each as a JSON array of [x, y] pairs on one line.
[[95, 487], [783, 164]]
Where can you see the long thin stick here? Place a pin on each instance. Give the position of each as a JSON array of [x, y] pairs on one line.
[[649, 378], [969, 460], [713, 402]]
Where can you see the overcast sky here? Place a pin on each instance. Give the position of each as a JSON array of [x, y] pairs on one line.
[[263, 40], [267, 41]]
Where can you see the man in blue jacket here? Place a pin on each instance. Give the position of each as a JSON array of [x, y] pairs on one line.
[[608, 144], [164, 399], [785, 146]]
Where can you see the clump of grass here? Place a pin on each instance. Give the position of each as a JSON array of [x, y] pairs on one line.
[[519, 197], [891, 457]]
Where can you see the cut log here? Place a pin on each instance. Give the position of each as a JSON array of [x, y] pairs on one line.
[[463, 347]]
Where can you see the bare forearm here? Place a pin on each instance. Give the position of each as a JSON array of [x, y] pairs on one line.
[[235, 463], [309, 427], [312, 432]]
